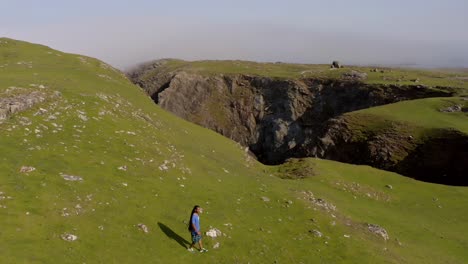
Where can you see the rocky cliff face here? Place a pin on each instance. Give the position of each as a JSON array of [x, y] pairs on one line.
[[279, 119], [441, 156]]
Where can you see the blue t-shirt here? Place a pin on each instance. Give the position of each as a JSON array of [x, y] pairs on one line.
[[196, 222]]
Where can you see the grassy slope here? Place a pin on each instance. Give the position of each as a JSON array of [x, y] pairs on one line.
[[416, 118], [424, 113], [398, 76], [124, 127]]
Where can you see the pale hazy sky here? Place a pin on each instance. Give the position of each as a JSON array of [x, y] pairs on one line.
[[124, 33]]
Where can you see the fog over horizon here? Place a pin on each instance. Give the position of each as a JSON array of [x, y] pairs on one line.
[[403, 33]]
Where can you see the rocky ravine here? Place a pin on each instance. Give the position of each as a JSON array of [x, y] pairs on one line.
[[277, 119]]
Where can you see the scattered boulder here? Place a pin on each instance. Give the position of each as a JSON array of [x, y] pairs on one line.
[[389, 186], [143, 228], [322, 203], [164, 167], [452, 109], [213, 232], [69, 237], [378, 231], [123, 168], [71, 177], [355, 75], [316, 233], [26, 169], [216, 245], [336, 65], [265, 199]]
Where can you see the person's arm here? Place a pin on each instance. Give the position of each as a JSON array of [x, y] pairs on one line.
[[194, 228]]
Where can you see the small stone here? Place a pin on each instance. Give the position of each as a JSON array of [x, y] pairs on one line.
[[389, 186], [216, 245], [265, 199], [378, 230], [123, 168], [143, 227], [71, 177], [213, 232], [451, 109], [26, 169], [316, 233], [355, 75], [83, 117], [69, 237]]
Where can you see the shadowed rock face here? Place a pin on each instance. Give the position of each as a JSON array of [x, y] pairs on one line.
[[439, 157], [276, 118]]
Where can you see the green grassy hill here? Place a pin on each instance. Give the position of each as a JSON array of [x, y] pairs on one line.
[[107, 159]]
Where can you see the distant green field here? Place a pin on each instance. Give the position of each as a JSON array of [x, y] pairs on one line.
[[141, 165]]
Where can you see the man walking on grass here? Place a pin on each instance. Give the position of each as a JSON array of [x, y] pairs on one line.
[[194, 228]]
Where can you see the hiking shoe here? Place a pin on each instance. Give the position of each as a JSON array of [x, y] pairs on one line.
[[203, 250], [190, 249]]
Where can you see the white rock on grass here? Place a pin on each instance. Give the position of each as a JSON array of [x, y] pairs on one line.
[[265, 199], [213, 232], [123, 168], [69, 237], [143, 227], [316, 233], [378, 231], [71, 177], [164, 167], [216, 245], [26, 169]]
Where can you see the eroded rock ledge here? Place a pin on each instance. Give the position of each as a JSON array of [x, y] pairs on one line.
[[11, 104]]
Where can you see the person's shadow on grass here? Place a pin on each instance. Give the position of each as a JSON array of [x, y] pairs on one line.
[[171, 234]]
